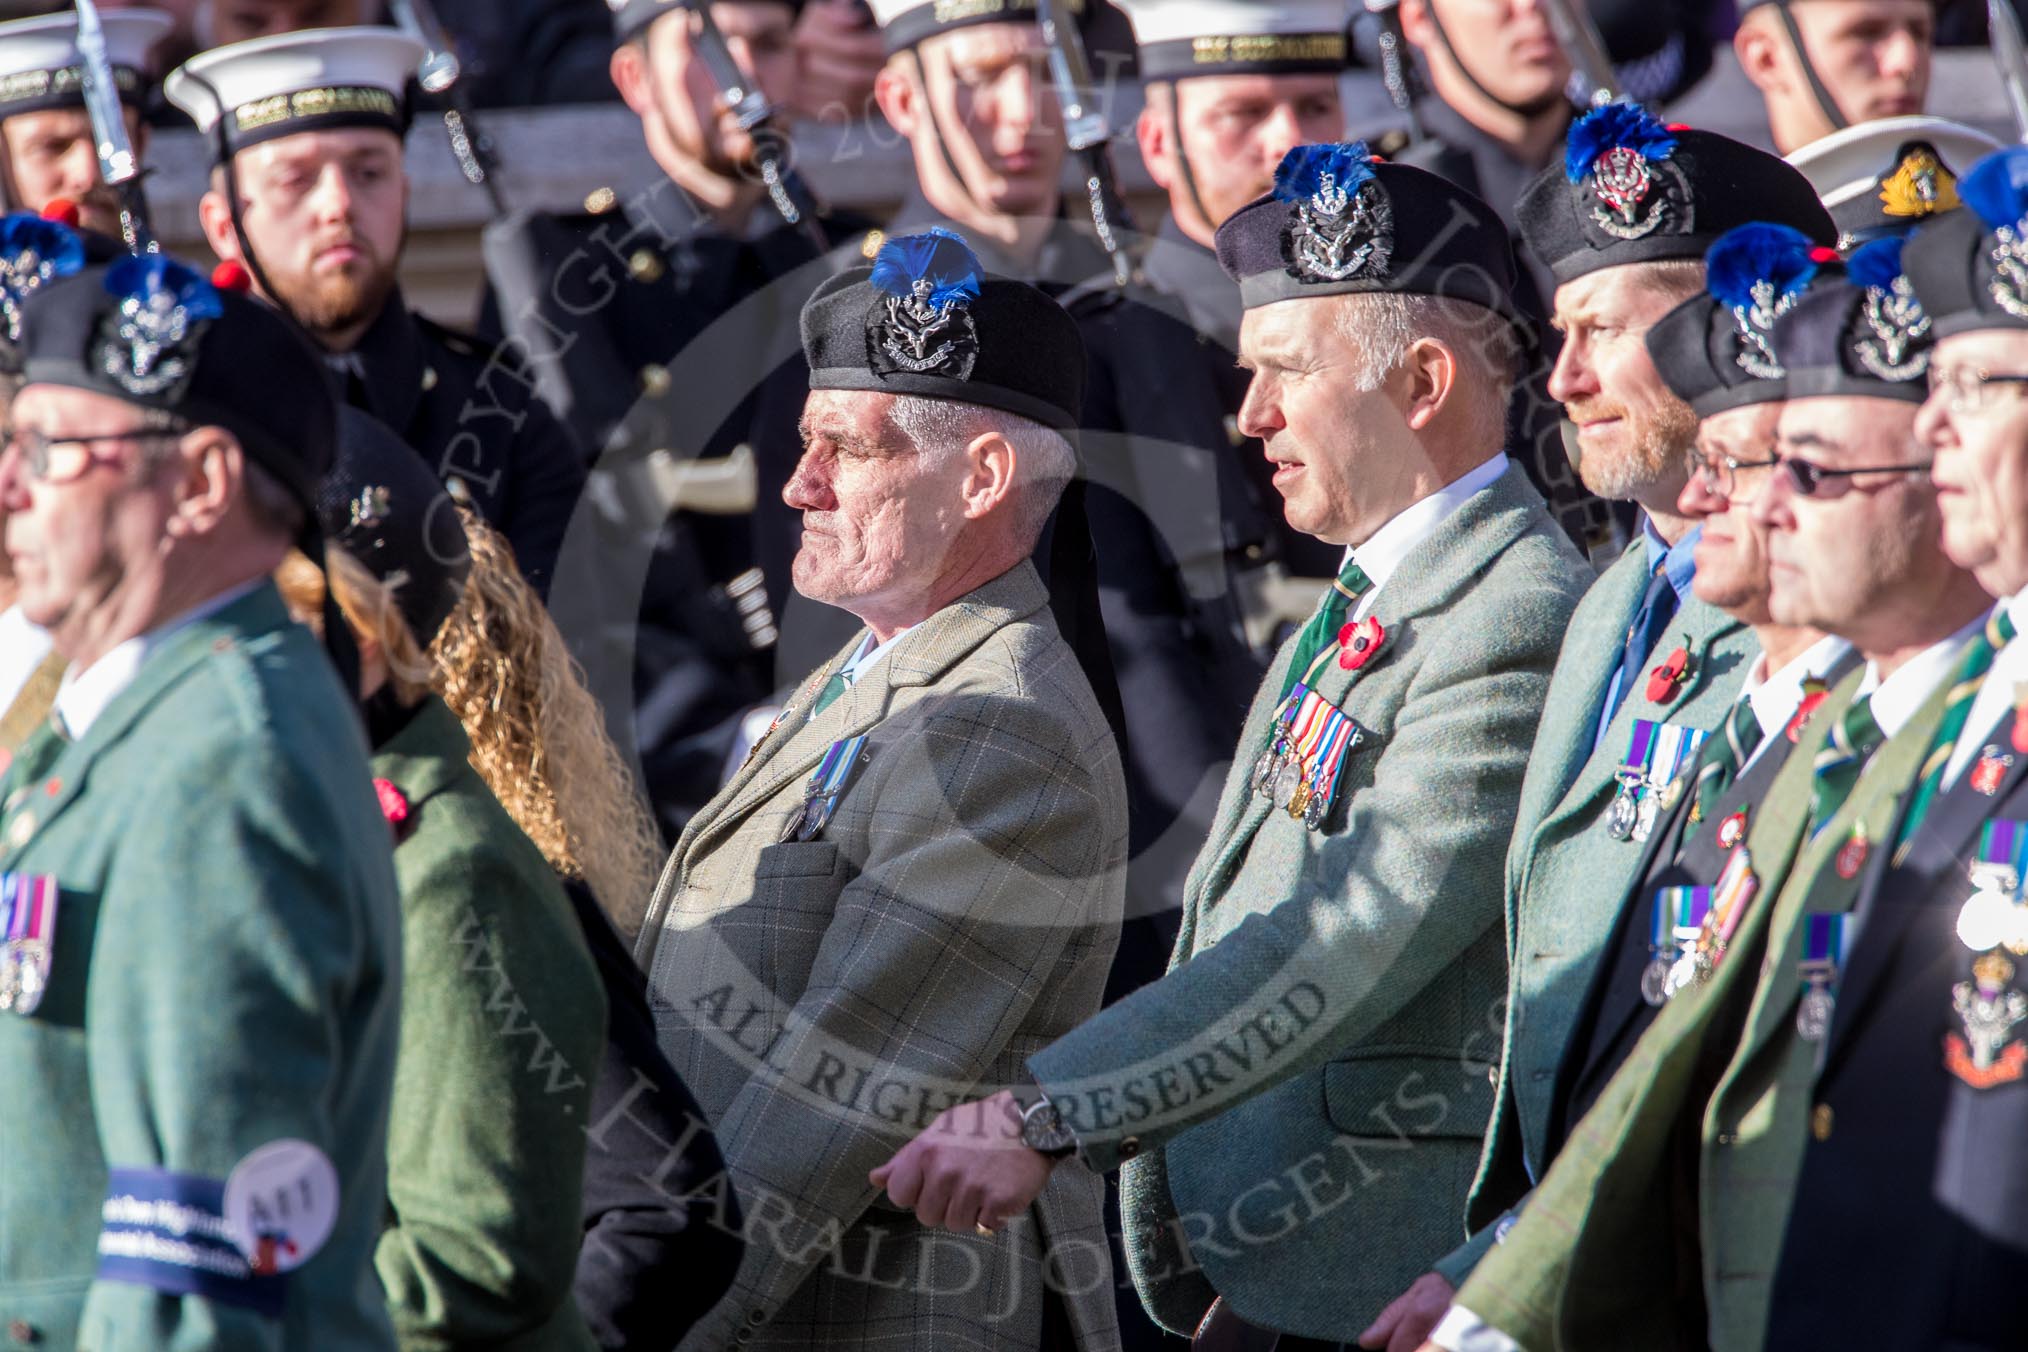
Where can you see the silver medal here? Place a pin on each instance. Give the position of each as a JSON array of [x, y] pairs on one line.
[[1644, 816], [1655, 982], [1287, 778], [1313, 811], [1621, 816], [1813, 1016]]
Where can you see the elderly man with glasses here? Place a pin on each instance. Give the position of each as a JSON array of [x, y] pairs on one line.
[[199, 980], [1700, 1134]]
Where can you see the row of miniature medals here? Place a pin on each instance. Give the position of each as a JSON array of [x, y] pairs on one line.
[[1691, 927], [1312, 738]]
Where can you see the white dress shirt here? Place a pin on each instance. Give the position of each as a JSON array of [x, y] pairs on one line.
[[84, 695], [1381, 555]]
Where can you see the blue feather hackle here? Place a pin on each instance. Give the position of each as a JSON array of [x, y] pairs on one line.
[[940, 256], [1301, 175], [1996, 188], [142, 274], [1615, 124], [1876, 265], [1756, 252], [58, 246]]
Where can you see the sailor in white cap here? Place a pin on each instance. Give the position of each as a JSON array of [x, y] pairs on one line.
[[310, 194], [1888, 176], [1232, 87], [1825, 65], [51, 156]]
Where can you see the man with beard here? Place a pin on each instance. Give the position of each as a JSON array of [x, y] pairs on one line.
[[1647, 667], [1824, 65], [1666, 1215], [51, 154], [660, 324], [309, 195]]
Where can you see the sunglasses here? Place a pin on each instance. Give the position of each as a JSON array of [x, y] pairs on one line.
[[1809, 480]]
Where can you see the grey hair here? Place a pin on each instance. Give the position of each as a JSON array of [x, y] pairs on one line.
[[1380, 326], [1043, 456], [272, 506]]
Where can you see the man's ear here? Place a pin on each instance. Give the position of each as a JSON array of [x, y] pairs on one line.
[[629, 69], [1432, 371], [210, 470], [1152, 130], [895, 90], [214, 214], [1416, 27], [991, 462], [1761, 55]]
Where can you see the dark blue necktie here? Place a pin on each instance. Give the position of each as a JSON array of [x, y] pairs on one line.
[[1658, 607]]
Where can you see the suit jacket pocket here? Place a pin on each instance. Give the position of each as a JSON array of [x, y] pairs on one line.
[[1413, 1092], [795, 896]]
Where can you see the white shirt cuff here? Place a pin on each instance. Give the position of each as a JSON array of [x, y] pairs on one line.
[[1462, 1331]]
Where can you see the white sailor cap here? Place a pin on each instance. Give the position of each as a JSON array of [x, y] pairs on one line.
[[1889, 176], [1182, 38], [904, 23], [313, 80], [40, 66]]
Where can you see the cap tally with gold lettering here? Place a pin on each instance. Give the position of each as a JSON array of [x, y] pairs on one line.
[[319, 79], [40, 67], [1179, 39], [904, 23]]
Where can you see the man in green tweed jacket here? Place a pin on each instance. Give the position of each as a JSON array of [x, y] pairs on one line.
[[1295, 1120], [198, 1011], [1660, 1223], [917, 878], [1645, 663]]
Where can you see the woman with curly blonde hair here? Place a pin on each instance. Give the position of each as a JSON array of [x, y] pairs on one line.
[[540, 793]]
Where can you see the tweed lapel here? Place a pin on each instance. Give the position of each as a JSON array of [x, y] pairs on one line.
[[920, 657], [1448, 559], [1698, 629], [27, 812], [1572, 717], [1814, 885], [1892, 897]]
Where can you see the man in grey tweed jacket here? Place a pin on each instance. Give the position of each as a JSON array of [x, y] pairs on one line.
[[1298, 1103], [857, 934]]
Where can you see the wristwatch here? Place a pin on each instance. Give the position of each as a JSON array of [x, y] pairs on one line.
[[1043, 1131]]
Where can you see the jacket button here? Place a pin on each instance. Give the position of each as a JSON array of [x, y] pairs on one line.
[[1130, 1147], [1726, 1138], [1540, 1075], [1820, 1122], [21, 1331], [757, 1317], [1493, 1076]]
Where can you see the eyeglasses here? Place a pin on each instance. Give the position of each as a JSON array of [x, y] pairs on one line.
[[1725, 474], [59, 460], [1809, 479], [1967, 389]]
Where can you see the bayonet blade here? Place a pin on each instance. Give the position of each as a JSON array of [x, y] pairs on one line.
[[117, 163], [2011, 54]]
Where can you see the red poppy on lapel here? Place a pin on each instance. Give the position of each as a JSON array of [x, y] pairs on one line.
[[394, 807], [1666, 681], [1360, 643], [1990, 772], [1814, 694]]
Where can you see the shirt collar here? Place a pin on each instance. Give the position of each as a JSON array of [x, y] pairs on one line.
[[1896, 699], [84, 695], [2017, 610], [23, 646], [869, 654], [1776, 698], [1380, 556], [1678, 562]]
